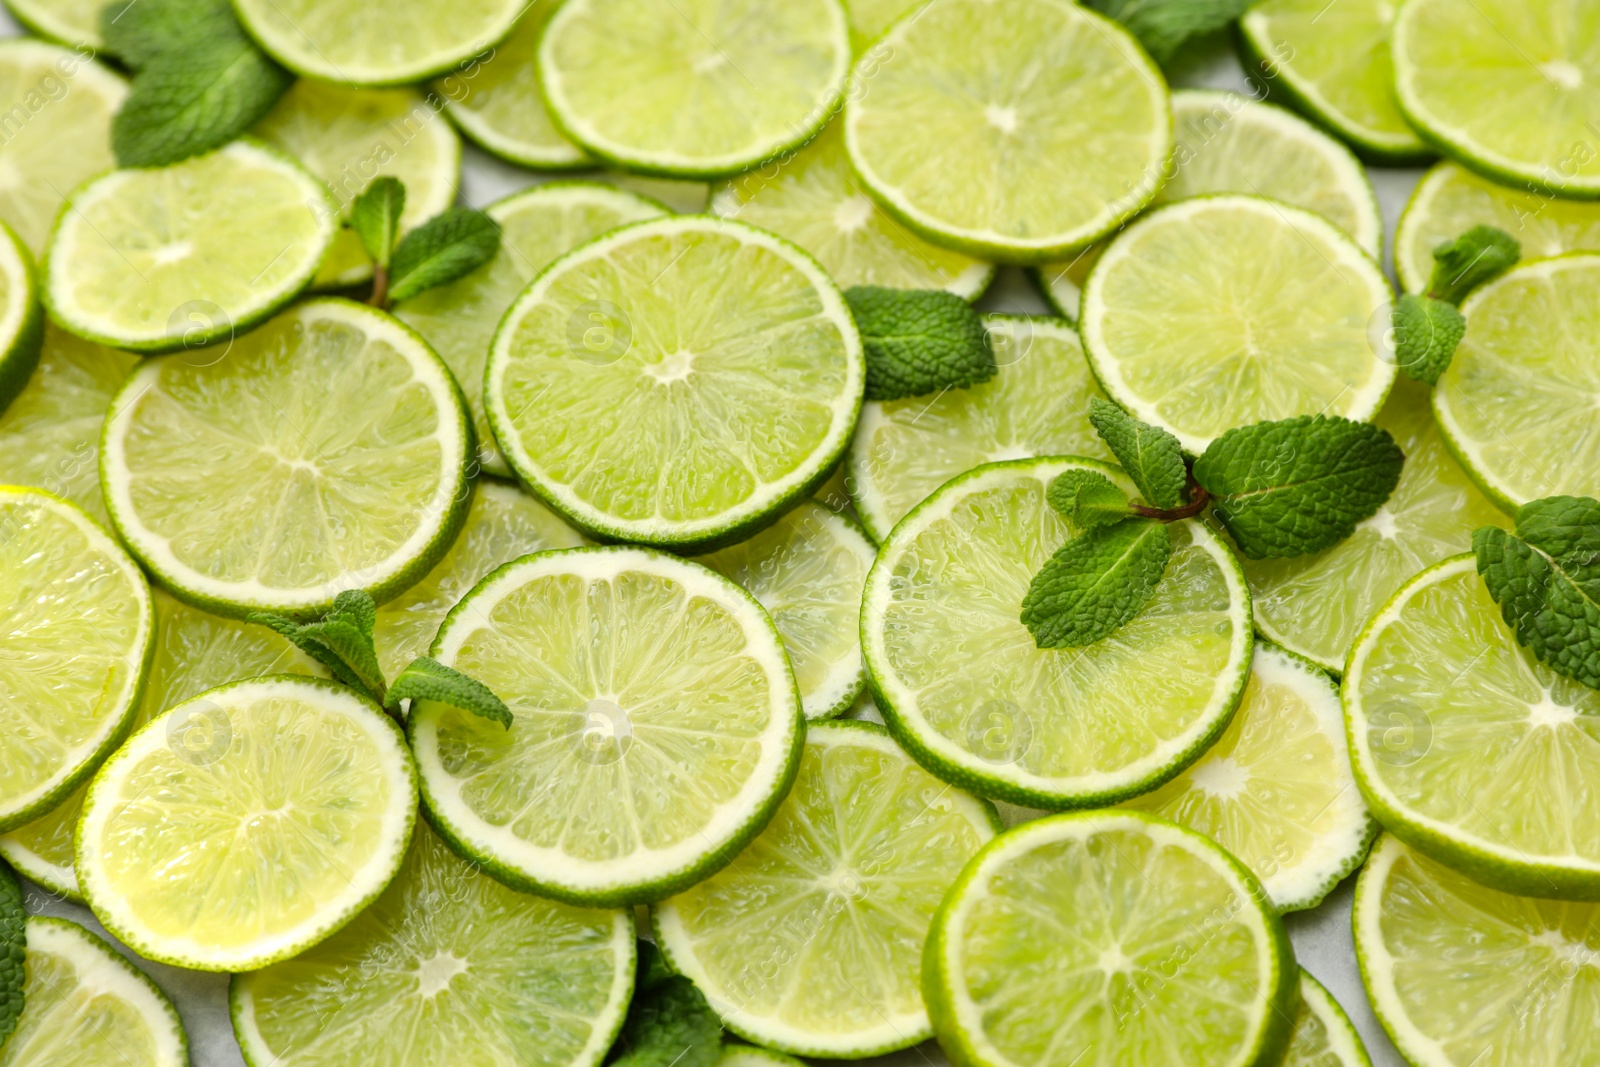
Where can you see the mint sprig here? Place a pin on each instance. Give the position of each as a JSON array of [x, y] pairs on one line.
[[1086, 498], [1428, 328], [453, 243], [1096, 583], [375, 217], [1152, 457], [919, 341], [1162, 26], [13, 952], [1475, 258], [669, 1022], [428, 679]]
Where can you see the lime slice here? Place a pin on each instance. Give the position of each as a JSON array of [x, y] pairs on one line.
[[77, 618], [735, 1054], [348, 137], [657, 725], [1113, 934], [1316, 605], [295, 776], [813, 943], [815, 201], [356, 43], [536, 226], [1459, 974], [72, 22], [21, 319], [1015, 130], [447, 966], [1036, 405], [194, 651], [695, 88], [1323, 1035], [1504, 87], [1276, 789], [1062, 283], [182, 256], [86, 1004], [1470, 749], [869, 19], [58, 106], [502, 524], [679, 382], [498, 103], [1517, 406], [965, 689], [807, 570], [1332, 63], [327, 451], [1223, 311]]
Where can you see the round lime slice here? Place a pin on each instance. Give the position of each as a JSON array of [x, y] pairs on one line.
[[1316, 605], [296, 776], [58, 105], [1223, 311], [1037, 404], [964, 687], [1332, 63], [83, 1003], [1528, 123], [657, 725], [78, 620], [348, 137], [187, 255], [815, 201], [1467, 747], [679, 382], [1014, 130], [697, 88], [1110, 935], [355, 43], [1517, 405], [812, 944], [1323, 1035], [1459, 974], [72, 22], [21, 319], [536, 226], [325, 451], [1276, 789], [447, 966]]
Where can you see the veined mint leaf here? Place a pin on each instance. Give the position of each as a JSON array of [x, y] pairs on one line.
[[1300, 485], [426, 679], [1163, 25], [1085, 498], [919, 341], [1096, 583], [1151, 456], [452, 243], [375, 217], [1480, 255], [13, 951], [341, 640], [1427, 332], [143, 32], [669, 1025]]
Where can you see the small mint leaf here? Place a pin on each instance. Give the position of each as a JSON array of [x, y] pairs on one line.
[[1096, 583], [1426, 334], [375, 217], [919, 341], [426, 679], [1299, 485], [13, 952], [1551, 602], [1085, 498], [1162, 26], [184, 106], [341, 640], [1151, 456], [1480, 255], [669, 1025], [444, 248]]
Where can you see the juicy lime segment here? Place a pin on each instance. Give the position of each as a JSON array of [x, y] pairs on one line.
[[840, 887], [77, 615], [966, 690], [447, 966], [296, 773], [1229, 310], [1323, 1034], [657, 725], [327, 451], [1061, 942], [677, 382]]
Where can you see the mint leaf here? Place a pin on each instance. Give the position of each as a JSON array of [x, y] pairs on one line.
[[426, 679], [1300, 485], [1427, 332], [1085, 498], [669, 1025], [919, 341], [1151, 456], [1096, 583], [652, 969], [13, 951], [145, 32], [450, 244], [1163, 25], [341, 640], [1480, 255], [375, 217]]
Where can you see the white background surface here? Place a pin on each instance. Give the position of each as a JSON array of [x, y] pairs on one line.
[[1321, 937]]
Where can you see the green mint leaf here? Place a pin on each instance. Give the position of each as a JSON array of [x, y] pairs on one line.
[[1096, 583], [426, 679], [375, 216], [1480, 255], [13, 951], [144, 32], [1426, 333], [652, 969], [669, 1025], [919, 341], [441, 250], [185, 105], [1300, 485], [1164, 25], [1151, 456], [1085, 498], [341, 640]]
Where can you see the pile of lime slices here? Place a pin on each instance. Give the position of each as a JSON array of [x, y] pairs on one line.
[[701, 533]]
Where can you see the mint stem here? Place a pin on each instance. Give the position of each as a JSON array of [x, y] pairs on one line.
[[1198, 499], [380, 287]]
